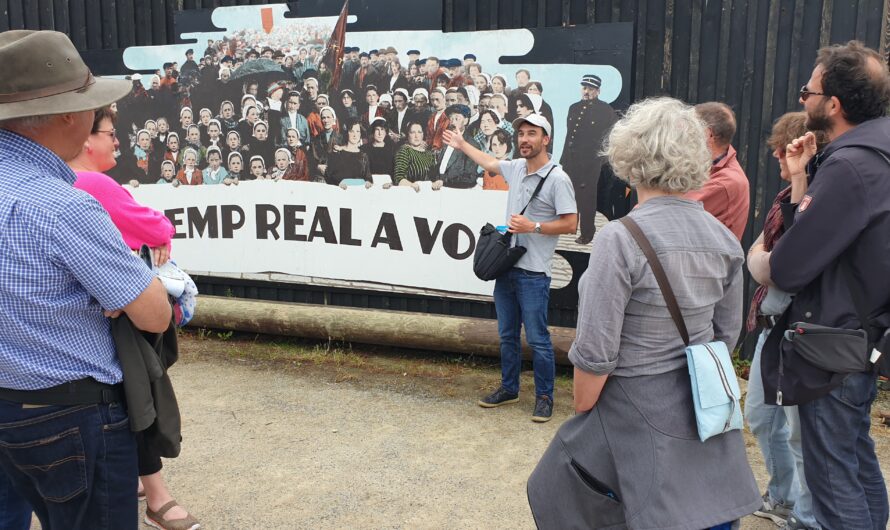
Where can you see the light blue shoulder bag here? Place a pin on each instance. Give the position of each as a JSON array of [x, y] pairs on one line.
[[715, 388]]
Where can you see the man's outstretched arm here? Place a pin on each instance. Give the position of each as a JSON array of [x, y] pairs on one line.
[[487, 162]]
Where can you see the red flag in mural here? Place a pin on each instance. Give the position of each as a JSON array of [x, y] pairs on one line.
[[333, 52]]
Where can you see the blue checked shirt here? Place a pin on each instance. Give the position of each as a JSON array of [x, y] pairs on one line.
[[62, 262]]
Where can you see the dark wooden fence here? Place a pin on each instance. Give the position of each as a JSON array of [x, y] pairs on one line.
[[752, 54]]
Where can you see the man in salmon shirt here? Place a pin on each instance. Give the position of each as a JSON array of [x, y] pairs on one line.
[[726, 194]]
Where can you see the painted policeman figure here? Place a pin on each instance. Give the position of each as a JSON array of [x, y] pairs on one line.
[[588, 122]]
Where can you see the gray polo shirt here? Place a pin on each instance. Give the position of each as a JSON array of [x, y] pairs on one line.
[[557, 197]]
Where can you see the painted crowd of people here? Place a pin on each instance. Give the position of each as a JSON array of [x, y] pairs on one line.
[[247, 111]]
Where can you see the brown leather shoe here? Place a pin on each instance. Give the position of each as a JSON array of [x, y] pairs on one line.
[[156, 519]]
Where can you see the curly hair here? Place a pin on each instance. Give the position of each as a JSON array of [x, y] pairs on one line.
[[660, 144], [849, 74], [789, 126]]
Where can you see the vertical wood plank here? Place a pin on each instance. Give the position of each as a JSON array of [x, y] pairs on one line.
[[591, 11], [616, 11], [126, 24], [109, 23], [142, 14], [885, 31], [61, 16], [726, 15], [668, 43], [4, 15], [825, 31], [471, 16], [32, 14], [695, 43], [93, 24], [16, 15], [766, 113], [448, 16], [747, 78], [639, 70], [45, 14], [796, 45], [77, 24], [711, 38], [493, 14], [862, 20], [541, 15]]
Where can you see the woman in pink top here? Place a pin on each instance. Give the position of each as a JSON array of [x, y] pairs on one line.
[[138, 225]]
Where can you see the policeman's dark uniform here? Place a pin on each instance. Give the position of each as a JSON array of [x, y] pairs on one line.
[[587, 123]]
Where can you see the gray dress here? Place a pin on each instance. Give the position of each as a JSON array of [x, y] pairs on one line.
[[635, 460]]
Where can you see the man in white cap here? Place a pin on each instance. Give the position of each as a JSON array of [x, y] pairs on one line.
[[588, 122], [543, 190], [65, 272]]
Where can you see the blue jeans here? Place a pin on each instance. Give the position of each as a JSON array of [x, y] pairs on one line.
[[777, 430], [75, 465], [15, 512], [839, 456], [521, 297]]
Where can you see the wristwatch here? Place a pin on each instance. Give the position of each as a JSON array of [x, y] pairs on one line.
[[537, 228]]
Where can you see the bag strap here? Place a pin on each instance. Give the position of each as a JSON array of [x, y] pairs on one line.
[[660, 276], [535, 193]]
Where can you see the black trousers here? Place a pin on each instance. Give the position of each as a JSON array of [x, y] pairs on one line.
[[149, 460]]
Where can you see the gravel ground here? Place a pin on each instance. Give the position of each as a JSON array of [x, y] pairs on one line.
[[278, 438], [285, 445]]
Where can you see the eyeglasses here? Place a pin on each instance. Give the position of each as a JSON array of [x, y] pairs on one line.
[[111, 134], [805, 93]]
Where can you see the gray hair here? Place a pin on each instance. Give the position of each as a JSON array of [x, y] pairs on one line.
[[660, 144], [720, 119], [29, 125]]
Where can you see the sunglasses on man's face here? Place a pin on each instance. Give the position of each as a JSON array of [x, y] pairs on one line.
[[805, 93]]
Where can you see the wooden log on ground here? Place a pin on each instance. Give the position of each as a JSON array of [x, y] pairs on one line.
[[366, 326]]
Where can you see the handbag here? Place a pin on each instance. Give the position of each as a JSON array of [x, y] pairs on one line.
[[716, 395], [802, 361], [493, 255]]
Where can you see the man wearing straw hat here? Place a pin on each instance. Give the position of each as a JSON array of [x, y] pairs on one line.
[[65, 442]]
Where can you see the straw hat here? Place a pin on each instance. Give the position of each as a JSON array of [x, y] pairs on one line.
[[44, 74]]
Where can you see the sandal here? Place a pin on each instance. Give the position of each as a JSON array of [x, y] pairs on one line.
[[156, 519]]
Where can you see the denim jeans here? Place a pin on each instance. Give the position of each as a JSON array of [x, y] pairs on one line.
[[839, 456], [521, 298], [15, 512], [75, 465], [777, 430]]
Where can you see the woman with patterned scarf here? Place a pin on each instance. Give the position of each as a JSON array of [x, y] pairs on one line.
[[777, 429]]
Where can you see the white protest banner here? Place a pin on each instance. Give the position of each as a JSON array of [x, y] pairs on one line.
[[394, 236]]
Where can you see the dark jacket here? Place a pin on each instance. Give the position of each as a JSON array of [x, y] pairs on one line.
[[844, 216], [151, 402], [460, 171]]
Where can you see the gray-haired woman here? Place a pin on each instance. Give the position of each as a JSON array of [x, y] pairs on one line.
[[632, 457]]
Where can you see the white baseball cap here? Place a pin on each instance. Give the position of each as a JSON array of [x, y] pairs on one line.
[[534, 119]]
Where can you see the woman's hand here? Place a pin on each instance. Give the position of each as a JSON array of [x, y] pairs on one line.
[[387, 185], [368, 185], [342, 186], [323, 168], [437, 185], [134, 183], [160, 255]]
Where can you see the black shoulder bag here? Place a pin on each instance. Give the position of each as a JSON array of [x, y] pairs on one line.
[[493, 255]]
